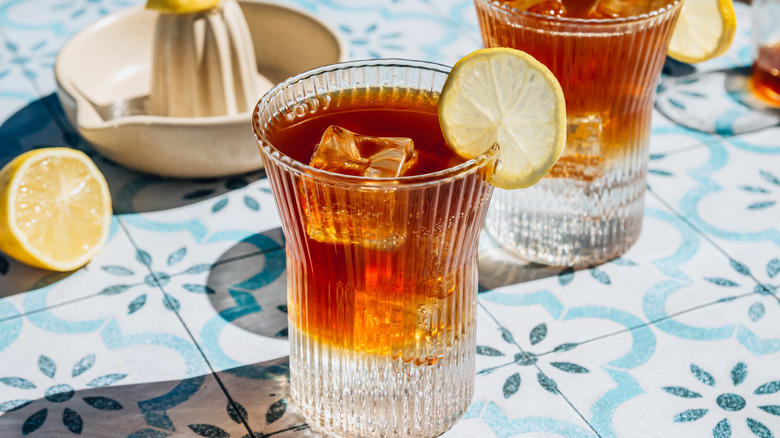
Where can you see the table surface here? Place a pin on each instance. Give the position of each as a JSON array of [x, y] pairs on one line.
[[184, 309]]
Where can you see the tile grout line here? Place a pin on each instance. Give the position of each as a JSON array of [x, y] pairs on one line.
[[536, 365], [233, 404], [656, 321], [708, 239], [461, 29], [97, 294]]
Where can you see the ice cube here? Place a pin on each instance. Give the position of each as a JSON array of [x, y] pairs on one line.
[[365, 216], [583, 155], [345, 152]]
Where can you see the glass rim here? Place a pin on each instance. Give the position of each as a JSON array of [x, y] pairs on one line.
[[283, 160], [594, 22]]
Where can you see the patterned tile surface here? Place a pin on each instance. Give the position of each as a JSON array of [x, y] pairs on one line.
[[178, 327]]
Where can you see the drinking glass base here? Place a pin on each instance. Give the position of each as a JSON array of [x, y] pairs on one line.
[[562, 222], [352, 394]]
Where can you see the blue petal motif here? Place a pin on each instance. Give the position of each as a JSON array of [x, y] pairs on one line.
[[237, 412], [756, 311], [739, 267], [117, 270], [690, 415], [511, 385], [722, 429], [570, 367], [538, 334], [197, 269], [753, 189], [171, 303], [219, 205], [275, 411], [176, 256], [17, 382], [507, 335], [759, 429], [3, 265], [566, 276], [72, 420], [721, 281], [136, 304], [143, 257], [679, 391], [771, 409], [601, 276], [738, 373], [83, 365], [106, 380], [251, 203], [488, 351], [114, 290], [103, 403], [199, 289], [47, 366], [13, 405], [768, 388], [34, 421], [624, 262], [761, 205], [547, 383], [769, 177], [566, 347], [208, 430], [773, 268], [703, 376]]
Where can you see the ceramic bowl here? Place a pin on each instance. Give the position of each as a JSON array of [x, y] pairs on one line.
[[104, 71]]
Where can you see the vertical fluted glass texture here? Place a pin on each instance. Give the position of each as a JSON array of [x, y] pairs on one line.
[[382, 274], [589, 208]]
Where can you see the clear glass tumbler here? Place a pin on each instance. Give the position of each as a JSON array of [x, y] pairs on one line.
[[766, 48], [382, 273], [589, 208]]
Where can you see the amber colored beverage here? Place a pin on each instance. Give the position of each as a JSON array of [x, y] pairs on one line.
[[381, 272], [607, 56], [387, 307], [766, 73]]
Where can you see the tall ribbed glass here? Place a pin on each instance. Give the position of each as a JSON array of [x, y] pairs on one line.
[[382, 273], [589, 208]]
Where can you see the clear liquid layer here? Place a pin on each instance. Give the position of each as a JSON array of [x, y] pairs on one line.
[[348, 393]]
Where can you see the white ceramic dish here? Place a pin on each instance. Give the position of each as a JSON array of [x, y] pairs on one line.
[[105, 69]]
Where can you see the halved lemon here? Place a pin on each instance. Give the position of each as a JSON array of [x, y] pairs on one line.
[[506, 97], [704, 30], [181, 6], [55, 209]]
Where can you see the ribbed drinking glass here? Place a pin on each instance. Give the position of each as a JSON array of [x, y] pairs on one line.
[[382, 273], [589, 208]]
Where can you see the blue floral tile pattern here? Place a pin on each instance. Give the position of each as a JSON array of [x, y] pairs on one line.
[[178, 327]]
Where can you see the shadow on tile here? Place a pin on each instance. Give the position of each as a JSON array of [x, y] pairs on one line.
[[23, 278], [196, 405], [42, 124], [250, 284]]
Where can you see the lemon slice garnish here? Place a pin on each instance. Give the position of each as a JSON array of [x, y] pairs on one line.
[[181, 6], [55, 209], [704, 30], [506, 97]]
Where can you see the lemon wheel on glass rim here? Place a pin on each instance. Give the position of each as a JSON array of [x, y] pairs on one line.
[[506, 97]]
